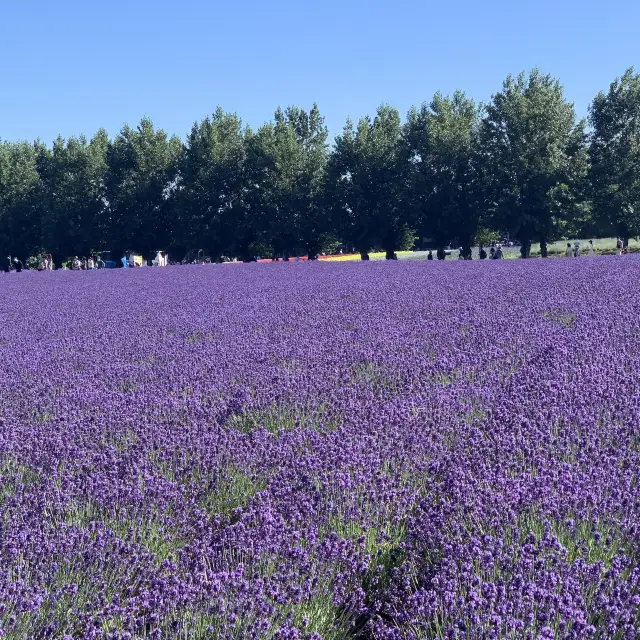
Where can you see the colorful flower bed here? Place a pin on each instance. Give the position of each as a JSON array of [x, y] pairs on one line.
[[370, 450]]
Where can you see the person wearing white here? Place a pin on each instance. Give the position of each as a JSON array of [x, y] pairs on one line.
[[591, 251], [568, 251], [576, 249]]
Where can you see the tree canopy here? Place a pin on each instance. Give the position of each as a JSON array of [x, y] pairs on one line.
[[452, 171]]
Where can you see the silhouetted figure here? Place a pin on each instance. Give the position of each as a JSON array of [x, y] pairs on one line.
[[8, 265], [483, 253], [430, 255], [18, 264], [441, 254]]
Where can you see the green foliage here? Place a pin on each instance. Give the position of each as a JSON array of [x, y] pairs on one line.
[[533, 158], [73, 176], [281, 418], [34, 261], [382, 543], [233, 490], [487, 237], [440, 142], [365, 185], [615, 156], [210, 209], [564, 318], [21, 191], [375, 376], [140, 182], [450, 173]]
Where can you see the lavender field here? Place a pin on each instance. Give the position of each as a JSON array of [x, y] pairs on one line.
[[379, 451]]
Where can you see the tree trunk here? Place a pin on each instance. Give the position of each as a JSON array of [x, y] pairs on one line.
[[544, 251], [467, 252], [525, 248], [391, 255], [364, 255]]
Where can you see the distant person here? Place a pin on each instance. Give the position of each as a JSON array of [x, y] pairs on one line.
[[90, 263], [460, 254], [576, 249], [8, 265], [18, 264], [492, 253], [99, 263], [124, 262], [591, 252], [441, 254], [568, 252], [430, 255], [619, 246], [483, 253], [499, 254]]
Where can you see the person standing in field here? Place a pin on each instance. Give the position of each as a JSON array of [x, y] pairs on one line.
[[576, 249], [591, 252], [619, 246], [483, 253], [499, 255], [18, 265], [568, 251], [430, 255]]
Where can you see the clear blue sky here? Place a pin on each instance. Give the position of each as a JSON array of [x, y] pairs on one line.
[[73, 66]]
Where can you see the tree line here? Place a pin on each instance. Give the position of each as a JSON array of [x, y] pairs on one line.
[[453, 171]]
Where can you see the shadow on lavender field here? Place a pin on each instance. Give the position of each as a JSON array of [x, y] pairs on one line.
[[322, 451]]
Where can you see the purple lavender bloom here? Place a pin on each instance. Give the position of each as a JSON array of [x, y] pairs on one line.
[[332, 450]]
